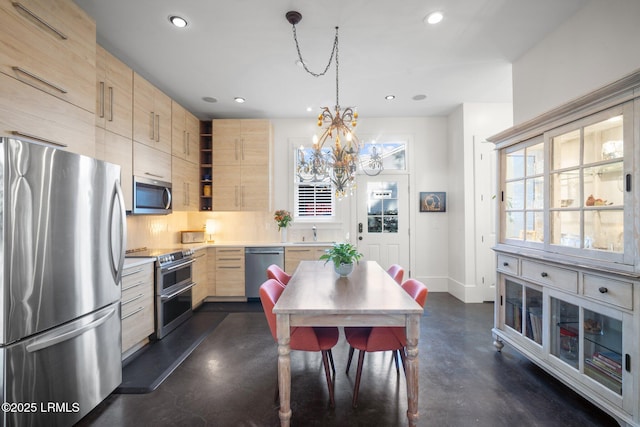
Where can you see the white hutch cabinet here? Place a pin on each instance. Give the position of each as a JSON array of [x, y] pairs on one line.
[[568, 251]]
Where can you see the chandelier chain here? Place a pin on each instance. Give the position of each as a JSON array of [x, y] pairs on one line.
[[334, 51]]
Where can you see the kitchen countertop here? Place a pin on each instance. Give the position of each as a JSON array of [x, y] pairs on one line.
[[246, 244], [134, 262]]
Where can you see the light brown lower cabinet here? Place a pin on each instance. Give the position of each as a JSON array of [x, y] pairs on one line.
[[137, 307], [199, 274], [293, 255], [230, 272]]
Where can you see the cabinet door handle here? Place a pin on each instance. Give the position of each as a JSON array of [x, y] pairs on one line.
[[153, 174], [627, 362], [110, 103], [40, 79], [603, 290], [101, 99], [544, 274], [158, 125], [153, 125], [138, 310], [188, 142], [505, 264], [57, 32], [628, 183], [129, 273], [37, 138]]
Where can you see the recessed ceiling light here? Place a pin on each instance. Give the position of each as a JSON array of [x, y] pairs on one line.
[[419, 97], [209, 99], [239, 99], [309, 109], [434, 18], [178, 21], [390, 97]]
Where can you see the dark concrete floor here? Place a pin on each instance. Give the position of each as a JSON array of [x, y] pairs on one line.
[[229, 380]]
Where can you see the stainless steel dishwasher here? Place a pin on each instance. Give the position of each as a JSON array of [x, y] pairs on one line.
[[256, 261]]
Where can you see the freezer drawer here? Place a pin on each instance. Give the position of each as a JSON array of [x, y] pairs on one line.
[[60, 375]]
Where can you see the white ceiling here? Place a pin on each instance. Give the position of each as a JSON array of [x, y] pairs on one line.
[[246, 48]]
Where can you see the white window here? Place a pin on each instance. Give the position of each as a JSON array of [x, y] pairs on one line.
[[314, 196]]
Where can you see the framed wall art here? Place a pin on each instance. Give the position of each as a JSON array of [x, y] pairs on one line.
[[433, 201]]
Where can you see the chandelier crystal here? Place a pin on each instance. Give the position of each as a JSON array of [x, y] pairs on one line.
[[340, 163]]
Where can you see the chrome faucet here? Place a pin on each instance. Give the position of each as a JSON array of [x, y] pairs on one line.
[[315, 233]]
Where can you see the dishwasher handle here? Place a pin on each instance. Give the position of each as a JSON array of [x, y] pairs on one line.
[[264, 251]]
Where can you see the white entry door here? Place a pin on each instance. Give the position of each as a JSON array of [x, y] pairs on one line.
[[382, 226]]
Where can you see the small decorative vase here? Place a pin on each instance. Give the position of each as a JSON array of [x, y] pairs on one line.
[[344, 269], [283, 234]]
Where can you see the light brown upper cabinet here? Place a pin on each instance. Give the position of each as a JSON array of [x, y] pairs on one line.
[[47, 66], [114, 96], [242, 165], [185, 134], [151, 115]]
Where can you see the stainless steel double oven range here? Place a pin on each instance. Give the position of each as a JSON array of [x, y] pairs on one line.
[[173, 283]]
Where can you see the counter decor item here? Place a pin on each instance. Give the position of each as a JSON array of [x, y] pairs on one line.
[[343, 255], [283, 219]]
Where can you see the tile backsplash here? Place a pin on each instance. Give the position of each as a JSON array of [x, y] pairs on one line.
[[163, 231]]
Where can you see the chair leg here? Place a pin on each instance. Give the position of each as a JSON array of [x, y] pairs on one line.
[[325, 362], [401, 352], [356, 387], [350, 357], [395, 359], [333, 367]]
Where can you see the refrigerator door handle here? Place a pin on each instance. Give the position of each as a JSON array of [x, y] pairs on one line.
[[117, 259], [49, 341]]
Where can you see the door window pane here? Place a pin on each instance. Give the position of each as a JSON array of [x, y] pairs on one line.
[[566, 150], [565, 331], [376, 156], [603, 349], [382, 207], [603, 140]]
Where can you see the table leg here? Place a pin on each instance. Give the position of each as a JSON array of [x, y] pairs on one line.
[[284, 368], [412, 372]]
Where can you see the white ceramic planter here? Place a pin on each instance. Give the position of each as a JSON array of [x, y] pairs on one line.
[[344, 269]]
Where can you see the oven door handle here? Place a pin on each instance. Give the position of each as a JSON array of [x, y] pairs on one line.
[[179, 291], [173, 267]]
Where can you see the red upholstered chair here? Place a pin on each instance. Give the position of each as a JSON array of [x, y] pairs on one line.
[[381, 338], [396, 272], [302, 338], [275, 272]]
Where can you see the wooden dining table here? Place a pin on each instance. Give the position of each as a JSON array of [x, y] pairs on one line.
[[317, 296]]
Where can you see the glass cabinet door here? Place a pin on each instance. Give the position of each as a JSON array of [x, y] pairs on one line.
[[523, 310], [523, 192], [588, 184], [565, 332], [603, 350]]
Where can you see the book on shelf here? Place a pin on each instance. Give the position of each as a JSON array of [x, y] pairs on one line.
[[535, 323], [612, 361], [602, 368], [598, 375]]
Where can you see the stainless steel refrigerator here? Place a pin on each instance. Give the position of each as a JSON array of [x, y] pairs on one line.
[[62, 237]]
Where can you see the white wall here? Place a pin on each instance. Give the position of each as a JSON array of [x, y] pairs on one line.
[[470, 122], [596, 46], [427, 159]]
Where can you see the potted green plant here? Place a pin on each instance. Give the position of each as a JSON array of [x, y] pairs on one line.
[[343, 255]]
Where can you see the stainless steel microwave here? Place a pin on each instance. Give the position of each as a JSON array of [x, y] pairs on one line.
[[151, 197]]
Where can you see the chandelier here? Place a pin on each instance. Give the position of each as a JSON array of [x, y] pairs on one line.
[[335, 152]]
